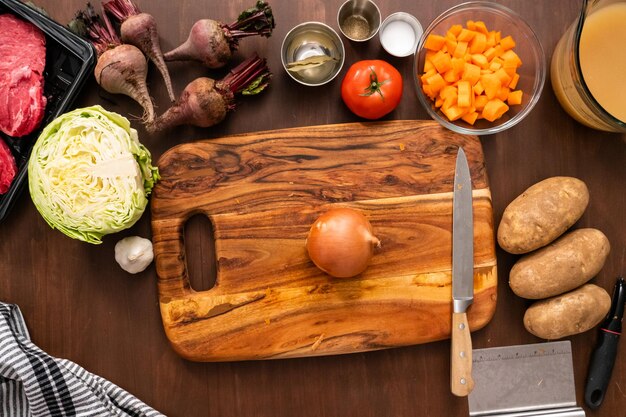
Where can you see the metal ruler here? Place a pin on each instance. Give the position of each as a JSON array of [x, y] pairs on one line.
[[524, 380]]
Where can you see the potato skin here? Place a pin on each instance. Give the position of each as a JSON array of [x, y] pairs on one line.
[[568, 314], [542, 213], [567, 263]]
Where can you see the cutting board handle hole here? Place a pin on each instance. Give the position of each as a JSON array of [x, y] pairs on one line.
[[200, 252]]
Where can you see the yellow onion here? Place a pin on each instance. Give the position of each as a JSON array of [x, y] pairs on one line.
[[341, 242]]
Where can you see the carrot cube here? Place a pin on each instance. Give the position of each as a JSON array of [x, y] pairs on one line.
[[466, 35], [507, 43], [503, 93], [471, 25], [442, 61], [494, 109], [434, 42], [436, 83], [464, 98], [478, 44], [461, 49], [450, 76], [450, 46], [481, 27], [515, 97], [458, 65], [454, 112], [470, 117], [514, 80], [455, 30], [478, 88], [505, 79], [480, 60], [471, 73], [492, 85], [480, 101], [511, 60]]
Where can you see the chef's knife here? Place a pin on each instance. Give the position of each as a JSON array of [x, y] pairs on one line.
[[461, 382], [603, 357]]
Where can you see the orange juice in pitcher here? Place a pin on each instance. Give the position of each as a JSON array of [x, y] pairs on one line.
[[589, 66]]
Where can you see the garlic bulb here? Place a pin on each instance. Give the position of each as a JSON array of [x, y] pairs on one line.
[[134, 253]]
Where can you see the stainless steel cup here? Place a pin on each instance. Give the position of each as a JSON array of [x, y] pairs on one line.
[[359, 20]]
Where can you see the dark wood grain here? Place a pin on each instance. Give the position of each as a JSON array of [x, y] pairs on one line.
[[262, 191], [80, 305]]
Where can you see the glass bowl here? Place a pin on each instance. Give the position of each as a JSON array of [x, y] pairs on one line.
[[532, 72]]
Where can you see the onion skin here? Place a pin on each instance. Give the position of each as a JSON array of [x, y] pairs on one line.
[[341, 242]]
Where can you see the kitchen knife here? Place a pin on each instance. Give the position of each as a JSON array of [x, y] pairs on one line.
[[461, 382], [603, 357]]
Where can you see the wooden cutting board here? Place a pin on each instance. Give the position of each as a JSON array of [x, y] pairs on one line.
[[262, 191]]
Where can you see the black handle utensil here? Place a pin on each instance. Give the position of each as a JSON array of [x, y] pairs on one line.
[[603, 357]]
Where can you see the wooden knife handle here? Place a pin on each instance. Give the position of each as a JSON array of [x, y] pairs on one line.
[[461, 381]]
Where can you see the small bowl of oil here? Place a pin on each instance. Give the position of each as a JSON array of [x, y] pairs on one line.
[[312, 53]]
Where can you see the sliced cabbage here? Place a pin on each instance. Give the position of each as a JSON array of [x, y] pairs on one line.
[[88, 174]]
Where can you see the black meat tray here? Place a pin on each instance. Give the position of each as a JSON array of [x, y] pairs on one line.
[[69, 63]]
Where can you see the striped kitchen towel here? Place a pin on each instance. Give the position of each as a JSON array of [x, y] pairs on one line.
[[34, 384]]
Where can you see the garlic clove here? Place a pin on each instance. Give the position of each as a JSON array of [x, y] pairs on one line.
[[134, 254]]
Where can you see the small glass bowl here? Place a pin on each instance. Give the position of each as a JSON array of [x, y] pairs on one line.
[[528, 48]]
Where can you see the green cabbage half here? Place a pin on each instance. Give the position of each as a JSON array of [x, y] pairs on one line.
[[88, 174]]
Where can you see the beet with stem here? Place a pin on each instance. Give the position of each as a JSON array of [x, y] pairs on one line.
[[121, 68], [206, 102], [140, 29], [212, 43]]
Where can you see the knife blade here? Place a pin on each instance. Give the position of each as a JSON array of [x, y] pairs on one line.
[[461, 381]]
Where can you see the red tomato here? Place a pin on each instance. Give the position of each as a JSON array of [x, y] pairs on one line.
[[371, 88]]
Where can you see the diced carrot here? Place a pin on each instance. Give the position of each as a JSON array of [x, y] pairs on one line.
[[428, 91], [480, 60], [428, 74], [461, 49], [434, 42], [454, 112], [442, 61], [478, 44], [494, 109], [491, 84], [449, 102], [458, 65], [450, 76], [448, 91], [471, 73], [478, 88], [514, 80], [470, 117], [515, 97], [436, 83], [507, 43], [450, 46], [490, 53], [455, 30], [481, 27], [505, 79], [464, 98], [503, 93], [511, 60], [466, 35], [480, 101]]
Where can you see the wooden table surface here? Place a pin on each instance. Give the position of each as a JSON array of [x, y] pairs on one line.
[[80, 305]]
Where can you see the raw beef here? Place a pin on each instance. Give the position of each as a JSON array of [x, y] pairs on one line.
[[22, 62], [8, 168]]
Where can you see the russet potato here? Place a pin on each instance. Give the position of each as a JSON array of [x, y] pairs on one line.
[[542, 213], [571, 313], [565, 264]]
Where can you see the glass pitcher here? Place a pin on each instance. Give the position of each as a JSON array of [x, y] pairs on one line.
[[588, 79]]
